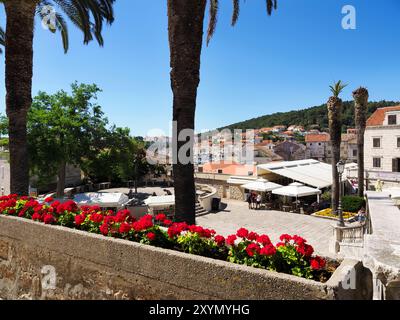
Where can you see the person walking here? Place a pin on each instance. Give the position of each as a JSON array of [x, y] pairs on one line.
[[258, 201], [248, 199]]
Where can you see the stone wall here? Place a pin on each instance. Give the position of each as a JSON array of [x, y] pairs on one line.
[[50, 262], [236, 193]]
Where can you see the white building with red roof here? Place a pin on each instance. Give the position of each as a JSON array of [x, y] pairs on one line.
[[382, 141]]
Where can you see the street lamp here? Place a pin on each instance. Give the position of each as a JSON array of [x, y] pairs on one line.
[[340, 169]]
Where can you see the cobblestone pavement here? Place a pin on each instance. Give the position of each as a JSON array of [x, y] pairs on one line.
[[273, 223]]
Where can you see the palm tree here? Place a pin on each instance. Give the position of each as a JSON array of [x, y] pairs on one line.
[[335, 128], [185, 27], [87, 15], [360, 96]]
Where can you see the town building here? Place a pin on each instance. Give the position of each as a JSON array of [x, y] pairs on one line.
[[382, 145], [318, 147], [290, 150], [348, 147]]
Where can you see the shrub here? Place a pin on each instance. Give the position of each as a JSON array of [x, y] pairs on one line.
[[352, 203], [326, 196]]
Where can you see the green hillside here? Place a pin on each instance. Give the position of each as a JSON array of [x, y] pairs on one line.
[[308, 117]]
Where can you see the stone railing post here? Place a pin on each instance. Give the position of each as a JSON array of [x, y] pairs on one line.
[[334, 244]]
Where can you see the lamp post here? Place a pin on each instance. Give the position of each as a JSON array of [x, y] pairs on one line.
[[340, 170]]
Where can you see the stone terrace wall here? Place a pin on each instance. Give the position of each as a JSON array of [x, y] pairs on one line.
[[89, 266]]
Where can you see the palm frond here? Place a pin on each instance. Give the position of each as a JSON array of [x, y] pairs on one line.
[[337, 88], [236, 11], [87, 15], [2, 39], [214, 5]]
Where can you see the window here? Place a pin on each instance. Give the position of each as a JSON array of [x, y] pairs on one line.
[[220, 171], [377, 142], [398, 142], [392, 119], [354, 152], [377, 162]]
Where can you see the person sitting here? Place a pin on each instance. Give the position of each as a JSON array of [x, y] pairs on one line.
[[361, 215]]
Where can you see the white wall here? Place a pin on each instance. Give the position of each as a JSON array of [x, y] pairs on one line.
[[388, 149]]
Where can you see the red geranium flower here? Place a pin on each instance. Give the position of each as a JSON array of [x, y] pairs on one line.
[[36, 216], [242, 233], [167, 222], [252, 236], [220, 240], [49, 219], [161, 217], [285, 238], [230, 240], [79, 219], [124, 227], [268, 250], [252, 249], [305, 250], [104, 229], [151, 236], [299, 240], [48, 200], [317, 263], [264, 239]]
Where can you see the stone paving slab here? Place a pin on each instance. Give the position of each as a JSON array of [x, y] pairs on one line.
[[317, 231]]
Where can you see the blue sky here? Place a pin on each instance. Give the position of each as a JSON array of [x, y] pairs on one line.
[[263, 65]]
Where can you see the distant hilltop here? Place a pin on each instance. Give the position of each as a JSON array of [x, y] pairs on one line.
[[308, 118]]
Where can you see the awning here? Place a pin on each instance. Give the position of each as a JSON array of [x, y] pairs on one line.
[[102, 199], [261, 185], [310, 172], [239, 180], [296, 190], [160, 201]]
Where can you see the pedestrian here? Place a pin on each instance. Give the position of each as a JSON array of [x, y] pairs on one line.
[[253, 200], [258, 201], [248, 199]]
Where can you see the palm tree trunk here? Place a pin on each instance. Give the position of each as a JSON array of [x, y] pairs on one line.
[[18, 73], [335, 128], [360, 96], [61, 180], [185, 27]]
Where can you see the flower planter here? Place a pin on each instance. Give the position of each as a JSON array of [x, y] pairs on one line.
[[330, 218], [40, 261]]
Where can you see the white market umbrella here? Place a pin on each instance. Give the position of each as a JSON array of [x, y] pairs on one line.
[[297, 190], [261, 185], [102, 199]]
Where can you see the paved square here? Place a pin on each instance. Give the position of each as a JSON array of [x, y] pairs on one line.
[[317, 231]]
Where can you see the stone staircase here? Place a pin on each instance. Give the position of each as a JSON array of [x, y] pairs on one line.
[[200, 211]]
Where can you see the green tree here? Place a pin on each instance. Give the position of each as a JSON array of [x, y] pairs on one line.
[[87, 15], [185, 28], [64, 129], [335, 129], [122, 158]]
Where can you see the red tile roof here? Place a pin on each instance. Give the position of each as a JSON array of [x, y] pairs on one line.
[[378, 117], [318, 137], [231, 168]]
